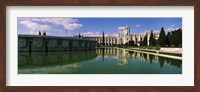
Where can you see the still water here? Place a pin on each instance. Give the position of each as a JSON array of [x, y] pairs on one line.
[[99, 61]]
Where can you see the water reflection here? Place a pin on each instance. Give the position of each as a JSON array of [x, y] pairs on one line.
[[99, 61], [38, 59], [123, 57]]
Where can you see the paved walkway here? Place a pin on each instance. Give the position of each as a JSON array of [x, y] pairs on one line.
[[157, 54], [156, 51]]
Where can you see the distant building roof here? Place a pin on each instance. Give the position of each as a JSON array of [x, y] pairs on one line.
[[100, 37]]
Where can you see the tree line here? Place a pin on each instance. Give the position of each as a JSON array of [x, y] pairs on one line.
[[173, 38]]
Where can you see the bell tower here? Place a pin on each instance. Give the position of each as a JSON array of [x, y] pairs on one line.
[[118, 38], [126, 34], [126, 31]]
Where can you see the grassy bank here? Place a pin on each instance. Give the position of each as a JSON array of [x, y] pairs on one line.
[[142, 47], [173, 54], [149, 47]]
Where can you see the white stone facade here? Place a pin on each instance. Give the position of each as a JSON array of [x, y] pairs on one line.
[[136, 37], [109, 40], [127, 36]]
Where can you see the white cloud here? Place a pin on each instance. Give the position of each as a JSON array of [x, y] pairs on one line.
[[34, 26], [73, 26], [171, 29], [121, 28], [49, 24], [94, 34], [67, 23], [36, 33], [149, 31], [158, 31], [33, 32], [137, 25]]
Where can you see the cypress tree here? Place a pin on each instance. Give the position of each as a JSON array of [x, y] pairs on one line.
[[141, 42], [39, 32], [103, 39], [145, 40], [167, 39], [79, 35], [151, 39], [162, 37]]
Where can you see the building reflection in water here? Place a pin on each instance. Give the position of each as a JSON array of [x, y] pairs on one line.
[[123, 57], [39, 59], [78, 62]]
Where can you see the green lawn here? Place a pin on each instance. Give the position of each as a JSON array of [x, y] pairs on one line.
[[149, 47], [142, 47]]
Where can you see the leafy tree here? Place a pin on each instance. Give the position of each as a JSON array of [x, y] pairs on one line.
[[156, 42], [126, 44], [141, 43], [129, 43], [162, 37], [152, 39], [176, 37], [167, 39]]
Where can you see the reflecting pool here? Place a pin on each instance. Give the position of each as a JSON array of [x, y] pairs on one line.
[[99, 61]]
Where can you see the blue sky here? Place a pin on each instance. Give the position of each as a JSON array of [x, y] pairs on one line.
[[95, 26]]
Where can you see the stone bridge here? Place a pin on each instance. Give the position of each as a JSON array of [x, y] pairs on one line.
[[53, 43]]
